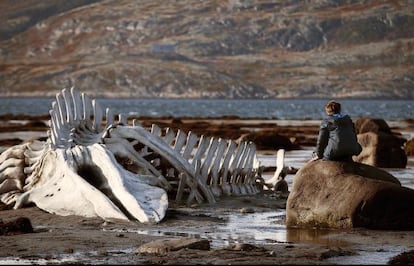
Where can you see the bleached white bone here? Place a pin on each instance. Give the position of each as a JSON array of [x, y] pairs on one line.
[[75, 137], [280, 172], [180, 140], [168, 153], [10, 184], [10, 163], [191, 142], [13, 152], [67, 188], [126, 164]]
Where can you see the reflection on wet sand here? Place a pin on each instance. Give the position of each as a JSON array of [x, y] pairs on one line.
[[323, 237]]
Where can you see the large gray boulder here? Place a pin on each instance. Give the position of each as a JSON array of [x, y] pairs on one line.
[[330, 194], [380, 146]]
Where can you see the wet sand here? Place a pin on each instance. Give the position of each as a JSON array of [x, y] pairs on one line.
[[73, 239]]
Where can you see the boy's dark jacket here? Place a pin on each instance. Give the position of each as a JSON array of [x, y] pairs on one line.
[[337, 134]]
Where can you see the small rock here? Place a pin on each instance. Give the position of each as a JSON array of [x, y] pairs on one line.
[[244, 247], [163, 246], [246, 210], [20, 225]]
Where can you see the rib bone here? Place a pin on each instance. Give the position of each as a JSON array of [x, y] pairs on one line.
[[108, 168]]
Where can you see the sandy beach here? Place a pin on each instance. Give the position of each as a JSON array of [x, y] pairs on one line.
[[79, 240]]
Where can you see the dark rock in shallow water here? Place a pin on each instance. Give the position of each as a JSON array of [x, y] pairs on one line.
[[20, 225], [405, 258]]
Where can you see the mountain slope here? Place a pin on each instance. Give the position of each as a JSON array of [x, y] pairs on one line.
[[210, 48]]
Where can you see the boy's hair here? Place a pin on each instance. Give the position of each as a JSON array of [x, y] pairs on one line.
[[333, 107]]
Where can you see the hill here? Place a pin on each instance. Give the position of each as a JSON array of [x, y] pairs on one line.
[[210, 48]]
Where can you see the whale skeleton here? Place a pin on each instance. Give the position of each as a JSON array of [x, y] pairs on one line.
[[102, 165]]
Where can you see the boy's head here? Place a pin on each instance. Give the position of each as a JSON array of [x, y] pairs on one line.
[[333, 107]]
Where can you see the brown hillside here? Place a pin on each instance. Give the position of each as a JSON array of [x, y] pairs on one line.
[[212, 48]]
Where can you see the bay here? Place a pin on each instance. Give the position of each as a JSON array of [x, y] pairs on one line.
[[209, 108]]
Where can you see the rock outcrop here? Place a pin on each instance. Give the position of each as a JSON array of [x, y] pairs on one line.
[[381, 147], [330, 194], [409, 147]]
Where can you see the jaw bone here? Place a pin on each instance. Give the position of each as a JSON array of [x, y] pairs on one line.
[[87, 181], [121, 171]]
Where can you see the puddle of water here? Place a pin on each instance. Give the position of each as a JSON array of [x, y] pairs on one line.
[[371, 255], [255, 228], [267, 228], [323, 237], [405, 175]]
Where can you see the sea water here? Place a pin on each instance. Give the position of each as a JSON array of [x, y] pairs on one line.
[[210, 108]]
